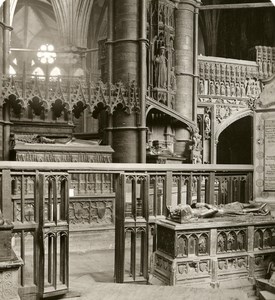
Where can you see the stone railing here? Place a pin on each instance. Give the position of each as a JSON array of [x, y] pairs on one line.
[[228, 81], [70, 91]]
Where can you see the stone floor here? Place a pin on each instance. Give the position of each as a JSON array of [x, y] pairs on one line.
[[91, 277]]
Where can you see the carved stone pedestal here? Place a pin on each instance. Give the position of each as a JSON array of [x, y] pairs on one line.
[[9, 264]]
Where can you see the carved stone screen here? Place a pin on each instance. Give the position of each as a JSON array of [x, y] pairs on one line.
[[269, 168]]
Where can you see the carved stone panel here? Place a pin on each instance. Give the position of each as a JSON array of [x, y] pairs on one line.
[[165, 241], [92, 211], [8, 285], [269, 167], [190, 269]]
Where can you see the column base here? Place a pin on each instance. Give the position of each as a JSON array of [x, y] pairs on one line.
[[9, 278]]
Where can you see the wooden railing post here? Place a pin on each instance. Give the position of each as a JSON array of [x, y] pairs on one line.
[[40, 252], [211, 188], [145, 235], [168, 191], [119, 229]]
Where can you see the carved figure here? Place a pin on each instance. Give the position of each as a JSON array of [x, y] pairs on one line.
[[211, 88], [260, 67], [197, 140], [217, 88], [269, 68], [257, 89], [243, 93], [202, 245], [240, 241], [222, 89], [196, 148], [221, 243], [233, 90], [265, 68], [267, 239], [201, 90], [203, 210], [238, 90], [230, 242], [173, 79], [252, 87], [227, 88], [196, 157], [182, 249], [161, 69], [207, 123]]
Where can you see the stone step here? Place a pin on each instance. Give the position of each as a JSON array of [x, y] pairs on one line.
[[265, 295], [109, 291]]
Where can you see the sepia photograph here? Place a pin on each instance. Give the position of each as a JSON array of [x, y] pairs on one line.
[[137, 149]]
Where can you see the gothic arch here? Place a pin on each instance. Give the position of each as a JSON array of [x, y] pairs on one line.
[[233, 139], [232, 119]]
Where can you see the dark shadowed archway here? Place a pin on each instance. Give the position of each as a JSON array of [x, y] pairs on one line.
[[235, 143]]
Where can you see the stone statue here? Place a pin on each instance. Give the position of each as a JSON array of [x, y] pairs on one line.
[[222, 89], [203, 210], [211, 88], [228, 90], [173, 79], [161, 69], [238, 90], [233, 90], [218, 88], [196, 148], [207, 123], [243, 92], [197, 140]]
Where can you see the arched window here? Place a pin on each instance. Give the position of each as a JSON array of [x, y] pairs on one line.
[[38, 72], [79, 72], [55, 72], [12, 70]]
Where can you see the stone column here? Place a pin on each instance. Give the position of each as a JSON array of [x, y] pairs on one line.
[[186, 50], [186, 44], [5, 110], [128, 56]]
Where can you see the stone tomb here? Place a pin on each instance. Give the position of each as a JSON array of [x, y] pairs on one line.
[[208, 251]]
